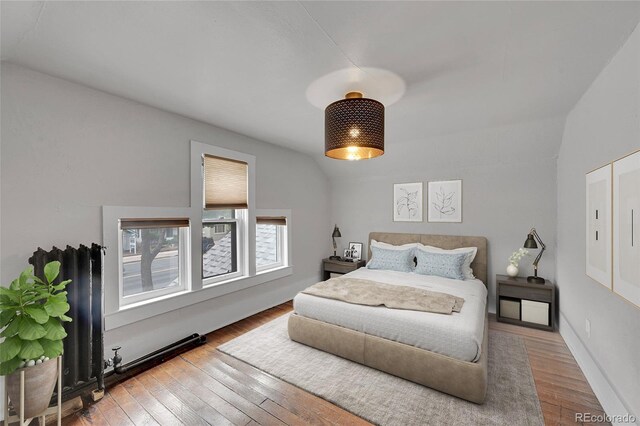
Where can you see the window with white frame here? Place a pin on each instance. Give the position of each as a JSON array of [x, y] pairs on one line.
[[224, 218], [221, 243], [153, 258], [178, 268], [271, 243]]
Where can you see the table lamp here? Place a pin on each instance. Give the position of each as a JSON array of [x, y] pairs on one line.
[[336, 234], [530, 243]]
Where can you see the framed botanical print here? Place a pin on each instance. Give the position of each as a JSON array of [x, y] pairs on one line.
[[407, 202], [598, 211], [445, 201]]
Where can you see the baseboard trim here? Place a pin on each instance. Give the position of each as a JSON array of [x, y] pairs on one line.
[[606, 394]]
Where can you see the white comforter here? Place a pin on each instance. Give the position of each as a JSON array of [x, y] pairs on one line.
[[458, 335]]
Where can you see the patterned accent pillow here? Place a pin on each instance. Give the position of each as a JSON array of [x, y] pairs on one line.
[[447, 265], [391, 260], [470, 251]]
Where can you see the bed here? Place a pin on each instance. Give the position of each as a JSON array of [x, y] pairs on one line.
[[444, 352]]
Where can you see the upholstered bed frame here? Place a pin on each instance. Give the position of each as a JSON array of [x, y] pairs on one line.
[[466, 380]]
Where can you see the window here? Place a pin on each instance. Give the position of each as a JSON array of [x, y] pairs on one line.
[[209, 252], [271, 243], [220, 241], [224, 217], [153, 258]]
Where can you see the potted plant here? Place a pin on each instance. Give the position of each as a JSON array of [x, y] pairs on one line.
[[32, 312]]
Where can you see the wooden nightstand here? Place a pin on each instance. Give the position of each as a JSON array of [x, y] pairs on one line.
[[522, 303], [339, 267]]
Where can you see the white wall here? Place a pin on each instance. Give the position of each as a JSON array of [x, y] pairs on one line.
[[604, 125], [508, 175], [67, 150]]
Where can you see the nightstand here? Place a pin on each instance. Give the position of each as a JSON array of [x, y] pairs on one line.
[[527, 304], [330, 266]]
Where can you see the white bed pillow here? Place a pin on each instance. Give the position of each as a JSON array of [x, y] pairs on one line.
[[388, 246], [466, 267]]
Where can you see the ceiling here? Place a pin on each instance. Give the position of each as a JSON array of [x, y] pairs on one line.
[[246, 66]]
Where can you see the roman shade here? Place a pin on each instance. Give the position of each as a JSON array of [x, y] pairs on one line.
[[225, 183], [153, 223], [271, 220]]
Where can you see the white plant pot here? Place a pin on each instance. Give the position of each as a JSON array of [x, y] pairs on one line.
[[512, 270]]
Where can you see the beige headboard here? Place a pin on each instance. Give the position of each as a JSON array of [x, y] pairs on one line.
[[479, 264]]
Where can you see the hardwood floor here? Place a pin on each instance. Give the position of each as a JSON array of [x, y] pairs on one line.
[[204, 386], [562, 388]]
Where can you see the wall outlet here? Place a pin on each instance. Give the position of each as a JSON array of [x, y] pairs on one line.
[[587, 327]]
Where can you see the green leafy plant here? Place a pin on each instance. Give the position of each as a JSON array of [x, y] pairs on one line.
[[31, 315]]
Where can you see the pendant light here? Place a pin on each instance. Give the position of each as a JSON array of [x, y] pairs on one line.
[[354, 128]]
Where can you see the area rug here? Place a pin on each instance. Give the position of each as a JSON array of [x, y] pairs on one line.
[[388, 400]]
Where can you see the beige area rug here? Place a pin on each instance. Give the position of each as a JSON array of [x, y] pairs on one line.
[[388, 400]]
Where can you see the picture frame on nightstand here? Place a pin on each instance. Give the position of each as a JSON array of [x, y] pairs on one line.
[[355, 251]]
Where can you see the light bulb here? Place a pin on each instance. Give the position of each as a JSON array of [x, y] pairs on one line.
[[353, 153]]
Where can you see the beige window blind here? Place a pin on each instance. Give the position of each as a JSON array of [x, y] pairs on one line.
[[271, 220], [225, 183], [153, 223]]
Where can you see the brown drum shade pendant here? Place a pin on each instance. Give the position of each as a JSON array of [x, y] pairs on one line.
[[354, 128]]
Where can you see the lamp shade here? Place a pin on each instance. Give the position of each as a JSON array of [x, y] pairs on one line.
[[354, 128], [336, 232], [530, 242]]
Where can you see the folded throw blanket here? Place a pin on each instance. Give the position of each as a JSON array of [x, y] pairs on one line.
[[372, 293]]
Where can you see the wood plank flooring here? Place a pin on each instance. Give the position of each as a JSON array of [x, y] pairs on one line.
[[204, 386], [562, 388]]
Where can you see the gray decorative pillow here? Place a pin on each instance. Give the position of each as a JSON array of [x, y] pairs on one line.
[[391, 260], [447, 265]]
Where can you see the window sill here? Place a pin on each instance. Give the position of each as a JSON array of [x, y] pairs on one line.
[[142, 303], [140, 311], [212, 282], [275, 268]]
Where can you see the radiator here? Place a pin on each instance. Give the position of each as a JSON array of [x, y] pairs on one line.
[[83, 362]]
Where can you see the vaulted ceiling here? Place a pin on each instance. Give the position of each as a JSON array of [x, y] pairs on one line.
[[245, 66]]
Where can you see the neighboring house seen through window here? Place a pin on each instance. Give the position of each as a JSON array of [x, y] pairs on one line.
[[220, 242], [271, 243]]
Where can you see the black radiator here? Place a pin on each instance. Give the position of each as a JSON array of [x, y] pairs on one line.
[[83, 363]]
